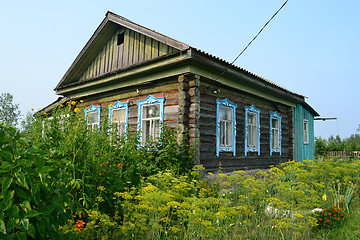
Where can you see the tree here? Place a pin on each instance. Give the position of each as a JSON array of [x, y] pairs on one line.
[[9, 111], [27, 122], [321, 147]]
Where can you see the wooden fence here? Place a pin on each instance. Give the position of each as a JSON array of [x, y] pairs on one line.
[[344, 154]]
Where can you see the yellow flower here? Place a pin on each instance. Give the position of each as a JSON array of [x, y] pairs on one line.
[[80, 119], [73, 103], [111, 105], [89, 116], [76, 110], [115, 118], [32, 109], [52, 107], [81, 101], [61, 105], [324, 197]]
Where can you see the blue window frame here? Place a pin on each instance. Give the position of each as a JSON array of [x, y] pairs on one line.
[[93, 117], [225, 126], [275, 133], [118, 117], [252, 130], [150, 118]]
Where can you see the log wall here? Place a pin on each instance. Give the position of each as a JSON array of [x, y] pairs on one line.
[[209, 92], [167, 88]]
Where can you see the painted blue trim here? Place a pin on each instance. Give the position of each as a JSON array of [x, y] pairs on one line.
[[252, 109], [225, 102], [93, 108], [150, 100], [119, 105], [279, 117]]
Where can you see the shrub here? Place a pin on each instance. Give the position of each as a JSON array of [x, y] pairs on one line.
[[91, 159], [33, 197]]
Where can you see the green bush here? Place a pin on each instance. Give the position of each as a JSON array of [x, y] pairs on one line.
[[33, 198], [93, 160]]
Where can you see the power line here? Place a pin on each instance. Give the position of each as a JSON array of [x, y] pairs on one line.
[[252, 39]]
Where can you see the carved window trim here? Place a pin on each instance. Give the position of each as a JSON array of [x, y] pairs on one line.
[[150, 100], [88, 112], [119, 106], [275, 133], [252, 110], [227, 105]]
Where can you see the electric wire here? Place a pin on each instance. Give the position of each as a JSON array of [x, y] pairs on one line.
[[252, 40]]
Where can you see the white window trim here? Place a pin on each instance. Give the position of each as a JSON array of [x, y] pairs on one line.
[[252, 110], [277, 116], [306, 131], [150, 100], [230, 148]]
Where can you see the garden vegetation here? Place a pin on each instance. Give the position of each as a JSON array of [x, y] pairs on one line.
[[62, 181]]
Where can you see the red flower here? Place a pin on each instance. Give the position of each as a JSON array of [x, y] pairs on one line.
[[342, 215], [329, 214], [322, 212], [328, 220], [120, 165], [338, 218], [79, 225], [320, 219]]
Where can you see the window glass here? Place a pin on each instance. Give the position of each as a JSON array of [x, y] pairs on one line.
[[151, 115], [93, 117], [252, 130], [225, 126], [150, 122], [118, 120], [275, 133], [151, 111], [118, 115], [306, 131]]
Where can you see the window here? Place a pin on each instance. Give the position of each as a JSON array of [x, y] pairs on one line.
[[120, 38], [275, 133], [151, 115], [92, 116], [306, 131], [118, 117], [252, 130], [225, 126]]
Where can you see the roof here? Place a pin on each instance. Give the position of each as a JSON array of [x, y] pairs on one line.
[[310, 109], [108, 27], [104, 31]]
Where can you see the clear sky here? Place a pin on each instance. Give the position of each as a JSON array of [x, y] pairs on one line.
[[312, 47]]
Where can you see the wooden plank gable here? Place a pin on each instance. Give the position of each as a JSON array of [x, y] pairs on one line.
[[135, 48]]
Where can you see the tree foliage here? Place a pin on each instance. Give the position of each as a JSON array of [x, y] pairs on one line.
[[9, 111], [322, 146]]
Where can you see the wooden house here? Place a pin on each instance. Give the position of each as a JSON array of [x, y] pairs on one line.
[[138, 78]]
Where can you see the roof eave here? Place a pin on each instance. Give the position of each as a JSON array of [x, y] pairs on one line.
[[234, 71], [310, 109], [116, 19]]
